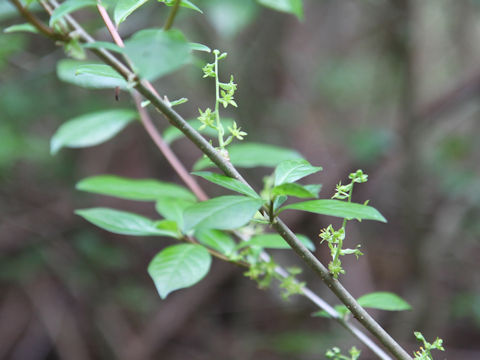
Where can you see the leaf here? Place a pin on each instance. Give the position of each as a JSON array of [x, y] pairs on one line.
[[290, 171], [296, 190], [227, 182], [69, 6], [155, 53], [133, 189], [216, 239], [313, 188], [200, 47], [275, 241], [384, 301], [338, 208], [178, 267], [376, 300], [98, 70], [21, 28], [91, 129], [172, 133], [172, 208], [124, 8], [104, 45], [125, 223], [67, 71], [250, 155], [294, 7], [184, 3], [223, 213]]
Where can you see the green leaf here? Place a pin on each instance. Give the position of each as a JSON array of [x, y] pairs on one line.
[[185, 3], [67, 71], [313, 188], [216, 239], [384, 301], [91, 129], [227, 182], [172, 208], [376, 300], [338, 208], [98, 70], [172, 133], [133, 189], [104, 45], [124, 8], [155, 53], [296, 190], [275, 241], [294, 7], [68, 7], [223, 213], [21, 28], [200, 47], [178, 267], [125, 223], [169, 227], [250, 155], [290, 171]]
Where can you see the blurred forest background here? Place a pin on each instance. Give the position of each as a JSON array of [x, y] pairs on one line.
[[389, 86]]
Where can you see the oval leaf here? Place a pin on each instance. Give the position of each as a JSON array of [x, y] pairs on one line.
[[133, 189], [384, 301], [227, 182], [216, 239], [69, 6], [292, 170], [125, 223], [107, 78], [249, 155], [294, 7], [338, 208], [179, 266], [275, 241], [223, 213], [124, 8], [91, 129], [172, 208], [155, 53], [296, 190]]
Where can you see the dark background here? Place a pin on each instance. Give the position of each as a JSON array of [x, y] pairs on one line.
[[389, 86]]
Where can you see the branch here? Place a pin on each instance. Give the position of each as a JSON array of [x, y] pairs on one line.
[[176, 120]]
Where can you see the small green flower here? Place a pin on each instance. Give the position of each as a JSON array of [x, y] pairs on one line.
[[237, 131], [209, 70], [358, 177], [342, 191], [207, 118]]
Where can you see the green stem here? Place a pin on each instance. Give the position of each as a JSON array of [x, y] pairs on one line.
[[171, 16], [220, 129], [344, 224]]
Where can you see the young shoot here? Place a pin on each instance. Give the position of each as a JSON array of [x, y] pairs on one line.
[[224, 95], [335, 238], [425, 352]]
